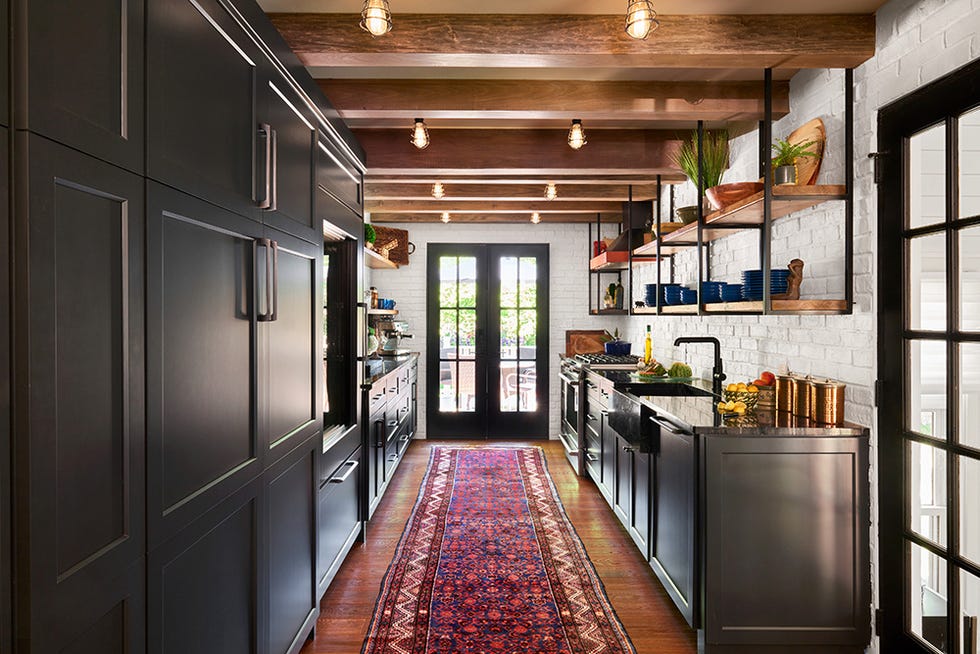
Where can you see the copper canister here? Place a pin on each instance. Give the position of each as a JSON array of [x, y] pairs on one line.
[[803, 398], [827, 406], [785, 393]]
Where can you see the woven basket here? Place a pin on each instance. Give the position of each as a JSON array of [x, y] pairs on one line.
[[392, 244]]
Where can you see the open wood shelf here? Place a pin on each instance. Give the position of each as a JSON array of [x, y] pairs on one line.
[[755, 307], [375, 260], [745, 214], [382, 312], [608, 312], [619, 260]]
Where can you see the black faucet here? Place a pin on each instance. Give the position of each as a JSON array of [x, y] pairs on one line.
[[717, 374]]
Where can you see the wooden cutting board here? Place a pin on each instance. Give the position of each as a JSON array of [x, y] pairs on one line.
[[584, 341]]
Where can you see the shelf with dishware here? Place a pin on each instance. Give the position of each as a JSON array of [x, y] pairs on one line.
[[608, 261], [752, 307]]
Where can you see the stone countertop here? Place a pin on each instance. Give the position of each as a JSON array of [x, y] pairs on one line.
[[693, 405], [379, 367]]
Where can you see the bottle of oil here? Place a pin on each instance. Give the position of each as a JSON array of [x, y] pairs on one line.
[[648, 347]]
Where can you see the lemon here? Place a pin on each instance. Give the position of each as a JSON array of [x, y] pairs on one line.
[[741, 386], [731, 388], [753, 388]]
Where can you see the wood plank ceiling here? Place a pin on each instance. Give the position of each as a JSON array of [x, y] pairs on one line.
[[499, 91]]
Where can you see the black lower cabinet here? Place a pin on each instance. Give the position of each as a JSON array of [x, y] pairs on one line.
[[292, 529], [641, 475], [81, 440], [340, 517], [207, 584], [6, 565]]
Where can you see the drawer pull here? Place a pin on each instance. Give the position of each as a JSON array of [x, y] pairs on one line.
[[339, 479], [405, 438], [589, 416], [627, 448]]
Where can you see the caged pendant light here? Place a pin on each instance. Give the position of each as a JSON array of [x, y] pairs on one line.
[[576, 135], [420, 134], [376, 17], [641, 19], [445, 217], [438, 192], [535, 218], [550, 192]]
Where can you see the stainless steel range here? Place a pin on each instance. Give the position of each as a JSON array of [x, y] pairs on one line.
[[572, 377]]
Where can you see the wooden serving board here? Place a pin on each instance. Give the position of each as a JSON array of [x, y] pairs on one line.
[[584, 341], [808, 169]]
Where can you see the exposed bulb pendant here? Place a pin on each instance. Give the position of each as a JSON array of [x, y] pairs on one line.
[[420, 134], [445, 216], [551, 192], [535, 218], [437, 191], [376, 17], [641, 19], [576, 135]]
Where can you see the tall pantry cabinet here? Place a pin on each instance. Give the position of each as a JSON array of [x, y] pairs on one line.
[[165, 313]]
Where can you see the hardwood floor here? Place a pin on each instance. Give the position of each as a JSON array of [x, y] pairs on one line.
[[648, 615]]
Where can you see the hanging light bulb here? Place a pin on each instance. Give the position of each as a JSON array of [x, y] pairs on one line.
[[551, 192], [641, 19], [535, 218], [420, 134], [576, 135], [437, 191], [376, 17], [445, 216]]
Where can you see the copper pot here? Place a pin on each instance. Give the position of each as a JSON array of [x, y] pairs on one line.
[[785, 393], [803, 398]]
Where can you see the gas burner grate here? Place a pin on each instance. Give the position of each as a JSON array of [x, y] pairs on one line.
[[608, 359]]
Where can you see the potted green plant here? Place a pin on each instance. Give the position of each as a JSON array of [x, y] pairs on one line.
[[714, 144], [784, 162], [370, 236]]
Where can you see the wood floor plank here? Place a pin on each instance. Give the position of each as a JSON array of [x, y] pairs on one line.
[[641, 603]]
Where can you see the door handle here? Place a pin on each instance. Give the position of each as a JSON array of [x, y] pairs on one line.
[[351, 467], [275, 171], [265, 132], [271, 280]]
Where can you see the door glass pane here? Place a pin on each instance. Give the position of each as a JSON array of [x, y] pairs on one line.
[[970, 395], [467, 386], [447, 385], [529, 333], [927, 388], [970, 279], [927, 179], [467, 281], [927, 282], [508, 334], [529, 282], [970, 605], [527, 388], [969, 516], [467, 334], [508, 282], [447, 334], [927, 491], [447, 281], [969, 162], [508, 386], [928, 597]]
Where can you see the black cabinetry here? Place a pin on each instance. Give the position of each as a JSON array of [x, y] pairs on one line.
[[339, 514], [6, 636]]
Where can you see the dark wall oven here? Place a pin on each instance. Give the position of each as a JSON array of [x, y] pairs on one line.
[[572, 401]]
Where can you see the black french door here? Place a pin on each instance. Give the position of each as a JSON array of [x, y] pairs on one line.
[[929, 367], [487, 341]]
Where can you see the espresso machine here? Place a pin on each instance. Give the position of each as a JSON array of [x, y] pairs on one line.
[[392, 332]]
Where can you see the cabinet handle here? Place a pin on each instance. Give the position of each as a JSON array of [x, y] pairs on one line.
[[589, 416], [673, 428], [351, 467], [591, 457], [627, 448], [380, 442], [604, 412], [405, 438], [268, 314], [265, 131], [568, 380], [590, 384], [275, 281], [393, 423]]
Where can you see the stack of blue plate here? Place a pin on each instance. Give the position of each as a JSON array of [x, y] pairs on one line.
[[731, 293], [711, 291], [672, 294], [689, 296], [651, 294], [752, 283]]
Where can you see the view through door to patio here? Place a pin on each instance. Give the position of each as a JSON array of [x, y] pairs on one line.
[[487, 341]]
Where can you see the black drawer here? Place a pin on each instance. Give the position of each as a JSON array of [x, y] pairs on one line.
[[337, 448], [339, 516]]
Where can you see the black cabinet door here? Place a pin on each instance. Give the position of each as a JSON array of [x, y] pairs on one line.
[[609, 460], [88, 91], [4, 69], [206, 586], [639, 523], [203, 73], [622, 488], [292, 601], [337, 180], [674, 549], [84, 440], [292, 166], [340, 517], [6, 635], [290, 340], [201, 360]]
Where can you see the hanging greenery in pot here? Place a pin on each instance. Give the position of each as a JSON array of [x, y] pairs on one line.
[[370, 236], [714, 144], [784, 171]]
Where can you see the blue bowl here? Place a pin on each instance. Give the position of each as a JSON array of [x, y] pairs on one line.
[[731, 293], [672, 295], [711, 291], [689, 296]]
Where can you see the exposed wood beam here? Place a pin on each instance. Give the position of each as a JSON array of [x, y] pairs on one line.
[[519, 152], [382, 103], [562, 41], [492, 218], [490, 206], [508, 193]]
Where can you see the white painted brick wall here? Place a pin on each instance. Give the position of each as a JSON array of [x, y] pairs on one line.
[[917, 42], [568, 276]]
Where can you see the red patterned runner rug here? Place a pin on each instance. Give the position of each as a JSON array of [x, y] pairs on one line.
[[489, 563]]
